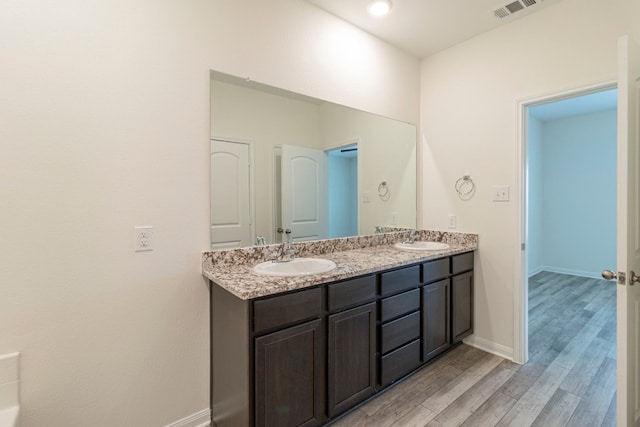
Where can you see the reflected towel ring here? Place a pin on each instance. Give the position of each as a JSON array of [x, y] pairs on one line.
[[465, 187], [383, 190]]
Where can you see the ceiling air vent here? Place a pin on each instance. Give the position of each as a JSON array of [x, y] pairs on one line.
[[513, 7]]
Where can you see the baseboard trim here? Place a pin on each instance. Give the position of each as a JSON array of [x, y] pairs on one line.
[[536, 271], [199, 419], [489, 347], [572, 272]]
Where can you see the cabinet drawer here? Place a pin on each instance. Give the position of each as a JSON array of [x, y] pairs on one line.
[[352, 292], [435, 270], [400, 362], [398, 305], [399, 332], [285, 309], [462, 262], [399, 280]]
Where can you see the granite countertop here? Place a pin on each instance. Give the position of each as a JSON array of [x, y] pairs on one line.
[[236, 275]]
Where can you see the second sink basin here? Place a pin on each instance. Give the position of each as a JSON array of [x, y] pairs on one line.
[[422, 246], [295, 267]]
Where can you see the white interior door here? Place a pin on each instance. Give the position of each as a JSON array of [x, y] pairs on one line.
[[628, 297], [304, 192], [230, 195]]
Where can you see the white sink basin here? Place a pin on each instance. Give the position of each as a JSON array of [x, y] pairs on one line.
[[295, 267], [422, 246]]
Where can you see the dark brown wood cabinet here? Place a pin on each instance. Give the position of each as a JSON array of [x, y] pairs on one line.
[[399, 280], [461, 306], [302, 358], [351, 366], [399, 363], [461, 296], [289, 376], [436, 319], [399, 328]]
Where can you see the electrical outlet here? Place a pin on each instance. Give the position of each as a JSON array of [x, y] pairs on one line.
[[143, 238], [394, 218], [452, 222], [366, 197], [500, 193]]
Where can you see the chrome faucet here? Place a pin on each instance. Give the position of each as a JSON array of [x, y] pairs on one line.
[[261, 241], [286, 250], [413, 236]]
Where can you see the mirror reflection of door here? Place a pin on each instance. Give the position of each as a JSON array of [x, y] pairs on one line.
[[303, 187], [230, 194], [342, 177]]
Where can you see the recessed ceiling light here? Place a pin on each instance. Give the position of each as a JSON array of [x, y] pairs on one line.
[[379, 7]]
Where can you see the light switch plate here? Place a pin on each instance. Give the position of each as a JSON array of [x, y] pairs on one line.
[[452, 222], [366, 197], [394, 218]]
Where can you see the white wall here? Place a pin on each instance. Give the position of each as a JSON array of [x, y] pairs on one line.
[[469, 95], [105, 111], [578, 197]]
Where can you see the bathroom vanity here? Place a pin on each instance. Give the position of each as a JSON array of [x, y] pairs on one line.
[[289, 351]]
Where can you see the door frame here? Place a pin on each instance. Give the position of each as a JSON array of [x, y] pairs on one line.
[[520, 293], [252, 183]]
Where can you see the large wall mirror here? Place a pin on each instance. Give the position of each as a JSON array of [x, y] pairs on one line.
[[281, 161]]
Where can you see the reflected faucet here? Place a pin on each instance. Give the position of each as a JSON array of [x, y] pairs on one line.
[[286, 250], [413, 236]]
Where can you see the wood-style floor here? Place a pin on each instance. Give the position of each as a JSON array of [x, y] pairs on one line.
[[568, 381]]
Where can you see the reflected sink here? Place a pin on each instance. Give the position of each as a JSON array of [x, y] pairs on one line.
[[295, 267], [422, 246]]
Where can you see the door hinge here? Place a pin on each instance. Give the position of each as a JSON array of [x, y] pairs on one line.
[[622, 278], [522, 246]]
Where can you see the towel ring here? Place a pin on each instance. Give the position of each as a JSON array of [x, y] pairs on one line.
[[465, 187], [383, 190]]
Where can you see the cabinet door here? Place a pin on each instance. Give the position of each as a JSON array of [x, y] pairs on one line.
[[462, 305], [351, 364], [436, 335], [288, 377]]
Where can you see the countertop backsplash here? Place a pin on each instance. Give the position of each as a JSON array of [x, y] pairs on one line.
[[354, 256], [255, 254]]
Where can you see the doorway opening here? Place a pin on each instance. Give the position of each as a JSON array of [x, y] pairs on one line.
[[342, 174], [568, 226], [571, 197]]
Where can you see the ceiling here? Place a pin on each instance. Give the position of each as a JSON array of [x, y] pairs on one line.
[[424, 27]]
